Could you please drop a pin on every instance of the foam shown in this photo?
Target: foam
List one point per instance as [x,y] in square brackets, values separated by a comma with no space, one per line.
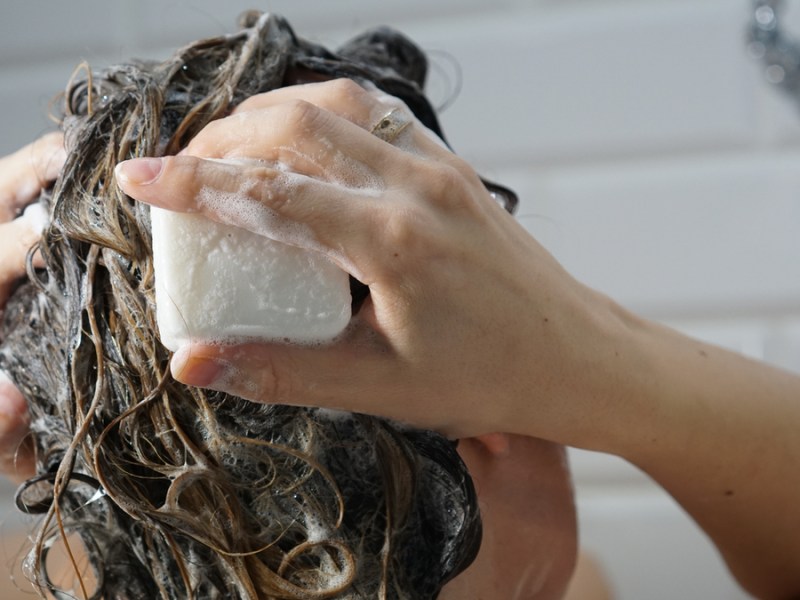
[316,531]
[219,283]
[36,215]
[334,414]
[245,209]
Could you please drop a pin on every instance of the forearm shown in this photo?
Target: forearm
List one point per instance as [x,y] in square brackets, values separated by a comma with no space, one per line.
[719,432]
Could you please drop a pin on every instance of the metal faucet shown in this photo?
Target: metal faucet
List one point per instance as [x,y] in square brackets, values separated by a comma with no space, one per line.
[778,51]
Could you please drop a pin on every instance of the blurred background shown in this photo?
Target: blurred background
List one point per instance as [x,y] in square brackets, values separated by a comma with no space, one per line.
[650,155]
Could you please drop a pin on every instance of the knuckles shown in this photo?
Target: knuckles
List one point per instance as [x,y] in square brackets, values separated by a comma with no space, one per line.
[335,92]
[300,116]
[207,142]
[296,115]
[344,89]
[262,128]
[449,186]
[401,228]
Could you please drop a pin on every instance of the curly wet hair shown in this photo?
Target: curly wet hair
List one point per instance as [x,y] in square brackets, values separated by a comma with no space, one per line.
[178,492]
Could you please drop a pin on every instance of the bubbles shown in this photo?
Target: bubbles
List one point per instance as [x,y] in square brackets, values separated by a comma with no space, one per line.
[36,215]
[316,529]
[243,210]
[334,415]
[775,74]
[765,17]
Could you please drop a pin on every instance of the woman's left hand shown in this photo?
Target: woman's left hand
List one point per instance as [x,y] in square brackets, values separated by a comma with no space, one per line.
[530,536]
[22,176]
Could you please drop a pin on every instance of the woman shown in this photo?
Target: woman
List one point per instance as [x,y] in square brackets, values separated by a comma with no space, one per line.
[187,493]
[473,328]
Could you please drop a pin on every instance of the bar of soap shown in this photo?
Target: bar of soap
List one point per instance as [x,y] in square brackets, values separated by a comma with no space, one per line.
[219,283]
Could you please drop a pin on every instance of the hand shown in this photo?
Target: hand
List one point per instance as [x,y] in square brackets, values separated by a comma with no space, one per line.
[470,324]
[471,327]
[22,176]
[529,542]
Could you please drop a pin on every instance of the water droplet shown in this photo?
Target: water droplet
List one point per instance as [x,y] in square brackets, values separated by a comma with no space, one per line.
[765,16]
[776,74]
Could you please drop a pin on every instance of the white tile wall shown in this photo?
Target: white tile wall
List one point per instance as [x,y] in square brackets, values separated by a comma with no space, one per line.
[650,548]
[601,81]
[697,233]
[651,158]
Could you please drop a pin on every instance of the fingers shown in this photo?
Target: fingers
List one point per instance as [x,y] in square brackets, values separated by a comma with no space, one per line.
[300,147]
[294,132]
[273,116]
[251,195]
[314,177]
[362,104]
[403,222]
[273,373]
[16,239]
[343,97]
[313,168]
[16,453]
[24,173]
[357,374]
[22,177]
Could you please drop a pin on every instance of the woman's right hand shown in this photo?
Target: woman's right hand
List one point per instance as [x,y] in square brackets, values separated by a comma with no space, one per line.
[471,326]
[22,176]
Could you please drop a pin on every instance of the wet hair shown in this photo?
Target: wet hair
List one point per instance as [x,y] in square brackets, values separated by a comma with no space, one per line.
[178,492]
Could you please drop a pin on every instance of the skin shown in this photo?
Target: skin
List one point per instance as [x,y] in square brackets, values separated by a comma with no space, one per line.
[406,251]
[22,176]
[589,581]
[523,484]
[529,541]
[467,308]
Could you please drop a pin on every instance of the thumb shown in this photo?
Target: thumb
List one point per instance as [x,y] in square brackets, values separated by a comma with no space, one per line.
[344,375]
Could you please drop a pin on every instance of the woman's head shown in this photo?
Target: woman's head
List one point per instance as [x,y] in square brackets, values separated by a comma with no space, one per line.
[180,492]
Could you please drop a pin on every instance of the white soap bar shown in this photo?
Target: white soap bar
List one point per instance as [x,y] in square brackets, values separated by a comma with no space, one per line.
[219,283]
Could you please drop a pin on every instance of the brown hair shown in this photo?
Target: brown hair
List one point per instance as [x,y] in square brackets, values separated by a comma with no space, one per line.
[177,492]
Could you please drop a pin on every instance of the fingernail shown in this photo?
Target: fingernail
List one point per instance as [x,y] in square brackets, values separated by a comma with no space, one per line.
[139,171]
[199,371]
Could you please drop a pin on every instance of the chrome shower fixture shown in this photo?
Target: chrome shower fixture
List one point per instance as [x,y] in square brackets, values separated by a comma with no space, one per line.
[769,43]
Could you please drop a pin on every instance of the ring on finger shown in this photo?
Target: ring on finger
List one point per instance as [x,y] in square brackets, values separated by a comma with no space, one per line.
[391,125]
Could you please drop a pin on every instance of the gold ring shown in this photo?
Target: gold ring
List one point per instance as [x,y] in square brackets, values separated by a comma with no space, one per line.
[391,125]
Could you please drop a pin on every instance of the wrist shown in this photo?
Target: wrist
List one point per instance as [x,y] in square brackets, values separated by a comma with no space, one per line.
[586,390]
[620,380]
[666,393]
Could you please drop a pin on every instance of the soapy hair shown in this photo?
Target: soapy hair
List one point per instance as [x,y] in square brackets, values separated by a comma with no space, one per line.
[178,492]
